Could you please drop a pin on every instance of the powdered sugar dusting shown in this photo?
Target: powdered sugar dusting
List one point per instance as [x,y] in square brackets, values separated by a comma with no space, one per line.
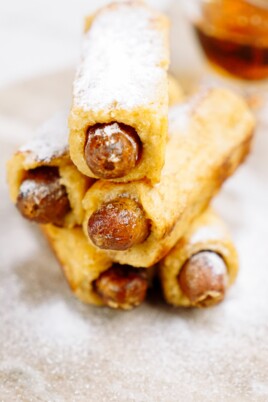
[179,115]
[39,191]
[205,233]
[211,260]
[31,187]
[54,348]
[123,57]
[51,140]
[108,130]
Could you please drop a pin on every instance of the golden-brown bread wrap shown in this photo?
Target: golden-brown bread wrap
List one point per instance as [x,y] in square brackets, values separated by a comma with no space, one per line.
[207,233]
[83,265]
[210,137]
[49,149]
[122,79]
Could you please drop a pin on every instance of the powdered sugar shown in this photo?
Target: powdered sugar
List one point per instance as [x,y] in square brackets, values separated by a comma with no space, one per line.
[108,130]
[51,140]
[179,115]
[209,260]
[205,233]
[124,60]
[38,190]
[54,348]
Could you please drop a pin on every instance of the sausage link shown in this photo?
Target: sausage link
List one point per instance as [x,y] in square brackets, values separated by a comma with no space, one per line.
[122,287]
[112,150]
[42,198]
[203,279]
[118,225]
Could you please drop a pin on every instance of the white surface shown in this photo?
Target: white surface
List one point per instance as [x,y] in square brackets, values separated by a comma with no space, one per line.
[43,38]
[40,36]
[53,348]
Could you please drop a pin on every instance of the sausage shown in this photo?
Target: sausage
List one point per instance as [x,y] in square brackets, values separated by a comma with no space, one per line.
[118,225]
[42,198]
[203,279]
[112,150]
[122,286]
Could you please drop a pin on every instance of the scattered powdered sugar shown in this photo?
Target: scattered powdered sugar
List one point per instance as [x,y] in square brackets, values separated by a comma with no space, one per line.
[54,348]
[209,260]
[108,130]
[37,192]
[123,56]
[206,233]
[51,140]
[179,115]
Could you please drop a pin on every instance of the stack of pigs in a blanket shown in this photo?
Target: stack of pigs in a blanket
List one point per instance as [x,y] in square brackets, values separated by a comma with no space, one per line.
[121,184]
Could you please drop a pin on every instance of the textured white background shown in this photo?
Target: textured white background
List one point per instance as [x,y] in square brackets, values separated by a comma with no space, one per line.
[52,348]
[43,36]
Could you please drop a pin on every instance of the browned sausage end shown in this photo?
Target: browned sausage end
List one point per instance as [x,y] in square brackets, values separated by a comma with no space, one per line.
[203,279]
[122,286]
[118,225]
[112,150]
[42,198]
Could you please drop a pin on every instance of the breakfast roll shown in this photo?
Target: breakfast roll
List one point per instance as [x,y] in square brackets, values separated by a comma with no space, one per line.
[118,120]
[202,265]
[44,184]
[138,223]
[91,274]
